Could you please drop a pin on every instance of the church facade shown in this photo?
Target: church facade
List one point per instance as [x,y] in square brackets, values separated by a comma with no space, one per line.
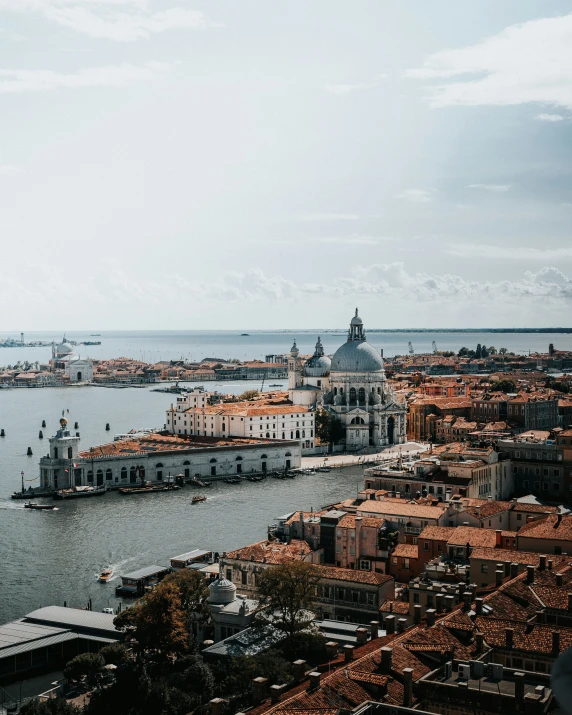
[352,387]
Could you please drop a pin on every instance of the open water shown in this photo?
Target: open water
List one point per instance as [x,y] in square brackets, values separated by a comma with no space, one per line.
[52,557]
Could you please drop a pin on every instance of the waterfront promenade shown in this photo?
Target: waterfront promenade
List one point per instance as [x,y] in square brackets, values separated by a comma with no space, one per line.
[348,460]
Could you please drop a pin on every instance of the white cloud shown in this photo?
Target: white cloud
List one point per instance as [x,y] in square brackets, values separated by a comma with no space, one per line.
[357,240]
[550,117]
[330,217]
[419,196]
[529,62]
[499,188]
[356,87]
[8,170]
[119,20]
[521,253]
[18,81]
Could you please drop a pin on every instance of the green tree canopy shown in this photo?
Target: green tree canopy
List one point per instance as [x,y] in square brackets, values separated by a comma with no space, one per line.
[249,395]
[329,428]
[114,654]
[88,664]
[288,590]
[504,385]
[54,706]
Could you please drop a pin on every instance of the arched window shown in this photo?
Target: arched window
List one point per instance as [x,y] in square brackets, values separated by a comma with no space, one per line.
[297,434]
[361,396]
[123,473]
[268,435]
[186,465]
[213,460]
[132,475]
[352,395]
[159,473]
[288,454]
[239,459]
[159,466]
[335,390]
[263,456]
[99,477]
[283,435]
[108,475]
[379,390]
[358,421]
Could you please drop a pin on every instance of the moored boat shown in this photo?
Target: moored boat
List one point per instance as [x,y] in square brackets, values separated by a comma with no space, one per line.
[148,489]
[78,492]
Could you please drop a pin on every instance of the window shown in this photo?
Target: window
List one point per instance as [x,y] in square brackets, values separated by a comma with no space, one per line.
[123,473]
[108,475]
[484,568]
[426,546]
[70,453]
[415,598]
[244,578]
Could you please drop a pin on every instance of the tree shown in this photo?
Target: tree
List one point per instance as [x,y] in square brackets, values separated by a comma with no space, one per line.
[503,385]
[249,395]
[329,428]
[54,706]
[503,351]
[162,621]
[114,654]
[478,351]
[463,352]
[492,350]
[484,351]
[88,664]
[289,590]
[235,677]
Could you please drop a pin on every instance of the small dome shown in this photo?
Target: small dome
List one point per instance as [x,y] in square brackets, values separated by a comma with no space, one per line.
[356,320]
[317,366]
[294,352]
[64,349]
[222,591]
[355,356]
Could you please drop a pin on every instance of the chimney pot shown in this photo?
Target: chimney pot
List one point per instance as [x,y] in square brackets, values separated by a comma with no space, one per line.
[332,649]
[390,625]
[417,613]
[401,625]
[550,564]
[559,580]
[430,613]
[315,676]
[530,574]
[513,570]
[467,597]
[374,625]
[519,688]
[386,659]
[439,602]
[498,577]
[299,670]
[276,693]
[449,602]
[259,689]
[478,606]
[569,602]
[361,636]
[348,652]
[217,706]
[542,562]
[479,641]
[407,687]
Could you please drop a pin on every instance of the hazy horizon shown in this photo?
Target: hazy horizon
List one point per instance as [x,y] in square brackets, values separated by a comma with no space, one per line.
[207,165]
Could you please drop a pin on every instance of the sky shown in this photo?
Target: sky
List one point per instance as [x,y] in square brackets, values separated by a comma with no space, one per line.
[178,164]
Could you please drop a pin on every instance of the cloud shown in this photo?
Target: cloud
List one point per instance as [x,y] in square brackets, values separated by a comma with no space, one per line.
[119,20]
[357,240]
[550,117]
[330,217]
[418,196]
[529,62]
[19,81]
[340,89]
[499,188]
[8,170]
[480,250]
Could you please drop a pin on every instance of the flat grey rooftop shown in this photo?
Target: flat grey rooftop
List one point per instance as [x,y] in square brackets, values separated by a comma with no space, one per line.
[19,631]
[144,572]
[71,618]
[194,554]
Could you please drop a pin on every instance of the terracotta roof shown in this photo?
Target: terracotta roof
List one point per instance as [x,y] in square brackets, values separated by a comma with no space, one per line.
[488,509]
[513,556]
[272,552]
[406,509]
[399,607]
[536,508]
[438,533]
[552,527]
[349,521]
[408,551]
[473,536]
[527,637]
[354,575]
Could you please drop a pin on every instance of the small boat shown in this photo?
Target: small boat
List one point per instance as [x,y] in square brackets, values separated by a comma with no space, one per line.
[105,575]
[233,480]
[324,469]
[197,499]
[244,335]
[39,507]
[77,492]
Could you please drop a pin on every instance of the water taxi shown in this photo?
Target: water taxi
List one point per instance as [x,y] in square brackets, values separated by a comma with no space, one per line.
[39,507]
[105,575]
[197,499]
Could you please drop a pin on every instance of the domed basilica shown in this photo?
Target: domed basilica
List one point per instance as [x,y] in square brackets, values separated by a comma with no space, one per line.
[352,387]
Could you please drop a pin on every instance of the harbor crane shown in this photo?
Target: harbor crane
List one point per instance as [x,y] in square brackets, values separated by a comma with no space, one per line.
[434,347]
[411,351]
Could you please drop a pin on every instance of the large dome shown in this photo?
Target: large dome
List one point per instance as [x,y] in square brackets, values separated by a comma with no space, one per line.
[222,591]
[64,349]
[355,356]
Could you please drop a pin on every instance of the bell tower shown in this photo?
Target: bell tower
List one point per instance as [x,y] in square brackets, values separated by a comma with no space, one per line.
[57,468]
[294,369]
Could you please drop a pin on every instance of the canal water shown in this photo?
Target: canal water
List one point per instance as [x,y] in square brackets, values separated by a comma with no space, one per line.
[51,557]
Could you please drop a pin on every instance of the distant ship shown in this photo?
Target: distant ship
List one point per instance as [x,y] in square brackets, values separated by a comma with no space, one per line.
[95,335]
[244,335]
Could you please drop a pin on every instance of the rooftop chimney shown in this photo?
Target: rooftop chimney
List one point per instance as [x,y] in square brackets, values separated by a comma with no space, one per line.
[417,613]
[390,625]
[439,602]
[530,574]
[509,637]
[315,676]
[498,539]
[550,564]
[467,597]
[374,625]
[555,642]
[569,602]
[217,706]
[361,636]
[498,577]
[519,688]
[513,570]
[276,693]
[559,580]
[259,690]
[407,687]
[299,670]
[386,662]
[542,562]
[430,613]
[331,649]
[479,642]
[478,606]
[449,602]
[348,653]
[401,625]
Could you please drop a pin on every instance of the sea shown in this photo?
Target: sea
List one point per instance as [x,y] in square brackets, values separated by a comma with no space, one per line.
[54,557]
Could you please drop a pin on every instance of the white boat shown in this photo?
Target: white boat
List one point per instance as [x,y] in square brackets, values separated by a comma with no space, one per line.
[105,575]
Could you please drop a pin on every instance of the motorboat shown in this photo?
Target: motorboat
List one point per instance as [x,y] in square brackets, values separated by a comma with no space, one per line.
[40,507]
[105,575]
[197,499]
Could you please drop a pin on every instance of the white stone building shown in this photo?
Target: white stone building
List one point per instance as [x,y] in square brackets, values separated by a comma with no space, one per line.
[352,387]
[77,369]
[192,415]
[157,457]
